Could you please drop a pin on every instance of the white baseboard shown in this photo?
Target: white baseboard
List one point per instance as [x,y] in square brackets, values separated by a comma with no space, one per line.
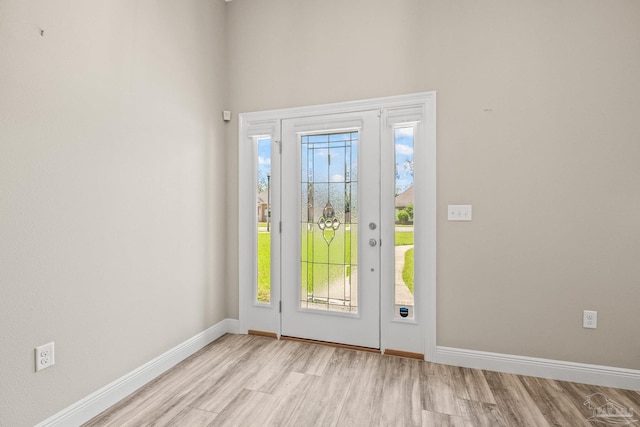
[545,368]
[112,393]
[107,396]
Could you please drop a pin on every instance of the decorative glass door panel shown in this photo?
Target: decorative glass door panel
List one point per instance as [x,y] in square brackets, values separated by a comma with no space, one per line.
[330,185]
[328,232]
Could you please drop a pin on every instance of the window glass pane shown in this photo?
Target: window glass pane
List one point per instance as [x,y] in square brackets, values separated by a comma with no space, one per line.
[328,238]
[404,201]
[264,220]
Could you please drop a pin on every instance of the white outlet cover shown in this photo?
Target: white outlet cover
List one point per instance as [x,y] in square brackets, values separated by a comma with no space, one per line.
[590,319]
[44,356]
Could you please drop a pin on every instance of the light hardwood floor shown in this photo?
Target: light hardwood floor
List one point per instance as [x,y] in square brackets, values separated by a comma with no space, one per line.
[245,380]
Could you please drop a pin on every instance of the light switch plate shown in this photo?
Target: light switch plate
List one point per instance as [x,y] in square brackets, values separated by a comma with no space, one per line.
[459,213]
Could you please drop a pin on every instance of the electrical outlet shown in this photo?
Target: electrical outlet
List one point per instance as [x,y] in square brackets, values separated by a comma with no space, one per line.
[590,319]
[44,356]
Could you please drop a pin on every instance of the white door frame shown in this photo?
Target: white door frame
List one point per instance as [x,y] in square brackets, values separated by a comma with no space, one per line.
[417,108]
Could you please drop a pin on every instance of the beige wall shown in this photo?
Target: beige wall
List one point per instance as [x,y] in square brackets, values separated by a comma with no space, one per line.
[111,157]
[113,168]
[538,107]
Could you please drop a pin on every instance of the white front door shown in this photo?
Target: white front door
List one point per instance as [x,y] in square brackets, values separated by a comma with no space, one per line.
[331,228]
[334,260]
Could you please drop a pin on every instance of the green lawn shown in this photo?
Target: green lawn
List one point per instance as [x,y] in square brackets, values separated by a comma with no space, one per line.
[323,263]
[404,238]
[264,266]
[407,269]
[328,261]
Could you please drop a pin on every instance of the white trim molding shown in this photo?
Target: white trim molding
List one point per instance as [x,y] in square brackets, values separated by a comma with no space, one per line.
[95,403]
[418,335]
[605,376]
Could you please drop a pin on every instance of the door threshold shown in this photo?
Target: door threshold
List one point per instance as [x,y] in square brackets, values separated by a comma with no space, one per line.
[406,354]
[262,334]
[331,344]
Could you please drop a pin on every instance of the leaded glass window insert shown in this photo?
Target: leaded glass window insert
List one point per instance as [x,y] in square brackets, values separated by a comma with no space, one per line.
[329,221]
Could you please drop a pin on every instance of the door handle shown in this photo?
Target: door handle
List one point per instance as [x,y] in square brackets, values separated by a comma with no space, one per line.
[373,242]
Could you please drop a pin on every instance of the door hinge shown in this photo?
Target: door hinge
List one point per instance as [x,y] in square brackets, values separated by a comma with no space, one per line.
[279,147]
[280,307]
[280,227]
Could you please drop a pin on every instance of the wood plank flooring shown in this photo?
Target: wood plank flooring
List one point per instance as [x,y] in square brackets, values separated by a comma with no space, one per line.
[245,380]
